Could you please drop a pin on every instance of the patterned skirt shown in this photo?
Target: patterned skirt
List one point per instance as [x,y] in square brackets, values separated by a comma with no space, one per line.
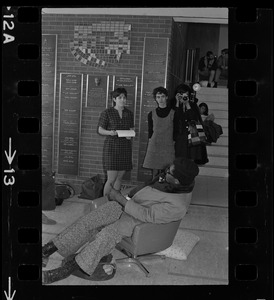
[117,154]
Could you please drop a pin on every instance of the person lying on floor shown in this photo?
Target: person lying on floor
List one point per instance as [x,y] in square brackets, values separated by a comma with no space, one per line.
[161,201]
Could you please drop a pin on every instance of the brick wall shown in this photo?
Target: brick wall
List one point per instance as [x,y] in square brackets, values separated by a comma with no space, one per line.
[91,143]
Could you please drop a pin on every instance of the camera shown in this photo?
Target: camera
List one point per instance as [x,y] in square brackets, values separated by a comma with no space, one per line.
[181,98]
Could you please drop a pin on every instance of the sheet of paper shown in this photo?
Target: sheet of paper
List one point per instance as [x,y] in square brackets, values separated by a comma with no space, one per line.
[126,133]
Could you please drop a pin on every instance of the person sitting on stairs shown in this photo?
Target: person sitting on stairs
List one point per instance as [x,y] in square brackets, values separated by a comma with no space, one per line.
[222,69]
[207,68]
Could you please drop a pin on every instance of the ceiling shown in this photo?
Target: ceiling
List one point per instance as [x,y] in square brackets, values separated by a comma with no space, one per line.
[217,15]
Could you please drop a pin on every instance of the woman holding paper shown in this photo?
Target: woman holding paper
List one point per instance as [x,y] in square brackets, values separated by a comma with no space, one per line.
[117,124]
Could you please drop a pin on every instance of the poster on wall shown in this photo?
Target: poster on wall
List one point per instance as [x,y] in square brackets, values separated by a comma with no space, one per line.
[48,92]
[70,116]
[154,74]
[97,91]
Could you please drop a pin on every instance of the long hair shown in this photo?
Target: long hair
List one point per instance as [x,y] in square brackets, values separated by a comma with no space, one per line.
[206,108]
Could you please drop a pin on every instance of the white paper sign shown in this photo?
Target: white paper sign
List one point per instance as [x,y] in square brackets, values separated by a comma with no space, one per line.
[126,133]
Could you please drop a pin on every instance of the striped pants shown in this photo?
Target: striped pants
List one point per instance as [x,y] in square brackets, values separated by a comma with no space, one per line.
[81,233]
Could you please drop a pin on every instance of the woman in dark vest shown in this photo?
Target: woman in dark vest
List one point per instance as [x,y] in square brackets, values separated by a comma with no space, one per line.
[160,149]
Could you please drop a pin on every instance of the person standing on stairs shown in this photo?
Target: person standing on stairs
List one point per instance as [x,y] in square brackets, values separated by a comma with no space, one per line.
[160,149]
[186,111]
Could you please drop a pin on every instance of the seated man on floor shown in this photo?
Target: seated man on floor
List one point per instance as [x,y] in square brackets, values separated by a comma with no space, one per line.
[160,201]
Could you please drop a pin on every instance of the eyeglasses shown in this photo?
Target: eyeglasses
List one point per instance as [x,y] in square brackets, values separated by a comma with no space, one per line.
[168,172]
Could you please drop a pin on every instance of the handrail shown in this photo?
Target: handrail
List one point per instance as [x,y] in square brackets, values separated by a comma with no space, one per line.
[191,66]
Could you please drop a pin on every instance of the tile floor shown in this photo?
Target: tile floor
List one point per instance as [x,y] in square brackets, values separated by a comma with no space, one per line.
[207,264]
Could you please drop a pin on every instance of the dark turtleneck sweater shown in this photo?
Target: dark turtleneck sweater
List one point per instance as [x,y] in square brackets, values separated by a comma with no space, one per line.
[161,113]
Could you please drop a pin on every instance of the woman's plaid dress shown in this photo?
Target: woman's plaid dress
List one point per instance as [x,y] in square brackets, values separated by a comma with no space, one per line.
[117,151]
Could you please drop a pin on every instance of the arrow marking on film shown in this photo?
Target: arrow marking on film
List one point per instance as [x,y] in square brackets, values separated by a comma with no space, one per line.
[10,157]
[9,297]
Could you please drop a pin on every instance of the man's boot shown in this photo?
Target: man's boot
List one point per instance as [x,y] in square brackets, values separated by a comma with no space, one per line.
[60,273]
[47,250]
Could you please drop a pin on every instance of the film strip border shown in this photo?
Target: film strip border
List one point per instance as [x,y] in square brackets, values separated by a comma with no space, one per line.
[250,158]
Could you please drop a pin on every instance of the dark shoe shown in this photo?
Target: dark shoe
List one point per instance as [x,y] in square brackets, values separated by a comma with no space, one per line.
[215,85]
[45,261]
[47,250]
[63,272]
[99,274]
[208,85]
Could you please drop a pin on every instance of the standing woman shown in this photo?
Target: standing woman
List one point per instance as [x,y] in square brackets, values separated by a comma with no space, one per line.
[117,151]
[160,149]
[185,111]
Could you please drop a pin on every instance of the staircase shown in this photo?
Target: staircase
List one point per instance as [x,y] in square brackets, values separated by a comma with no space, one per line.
[217,101]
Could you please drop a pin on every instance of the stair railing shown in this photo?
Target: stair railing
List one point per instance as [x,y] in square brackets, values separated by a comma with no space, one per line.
[191,65]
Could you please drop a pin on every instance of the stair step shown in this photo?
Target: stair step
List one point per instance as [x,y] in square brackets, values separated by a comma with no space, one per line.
[222,141]
[208,99]
[222,83]
[213,171]
[225,131]
[217,150]
[222,122]
[215,106]
[218,161]
[217,101]
[212,91]
[220,114]
[212,97]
